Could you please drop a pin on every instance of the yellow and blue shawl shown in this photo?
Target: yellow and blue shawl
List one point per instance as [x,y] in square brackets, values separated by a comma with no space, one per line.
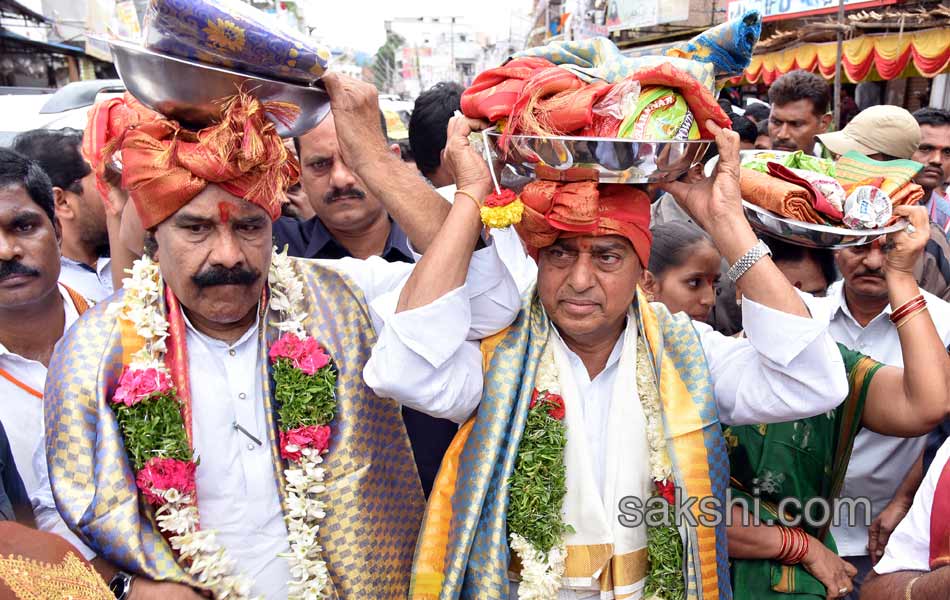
[463,551]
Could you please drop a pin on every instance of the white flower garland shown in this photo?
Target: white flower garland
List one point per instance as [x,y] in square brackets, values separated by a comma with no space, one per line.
[310,576]
[661,467]
[208,562]
[541,574]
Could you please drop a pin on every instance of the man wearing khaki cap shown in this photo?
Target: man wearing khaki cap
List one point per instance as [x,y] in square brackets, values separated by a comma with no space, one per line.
[882,132]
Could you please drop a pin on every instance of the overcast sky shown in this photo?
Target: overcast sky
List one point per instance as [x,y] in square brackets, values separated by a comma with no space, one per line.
[358,24]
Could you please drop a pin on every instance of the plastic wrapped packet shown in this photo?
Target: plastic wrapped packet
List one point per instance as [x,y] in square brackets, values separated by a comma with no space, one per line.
[620,102]
[867,207]
[661,114]
[233,35]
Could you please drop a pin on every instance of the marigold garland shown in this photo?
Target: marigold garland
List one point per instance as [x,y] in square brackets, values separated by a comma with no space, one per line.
[502,209]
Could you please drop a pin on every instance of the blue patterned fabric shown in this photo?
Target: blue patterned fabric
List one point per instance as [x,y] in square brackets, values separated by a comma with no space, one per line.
[727,47]
[477,560]
[721,52]
[232,34]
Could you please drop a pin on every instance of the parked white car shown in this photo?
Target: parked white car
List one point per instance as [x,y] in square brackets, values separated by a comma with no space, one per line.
[66,107]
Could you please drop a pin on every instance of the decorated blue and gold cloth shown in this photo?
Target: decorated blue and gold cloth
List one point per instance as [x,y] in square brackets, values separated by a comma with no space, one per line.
[716,54]
[463,546]
[373,497]
[234,35]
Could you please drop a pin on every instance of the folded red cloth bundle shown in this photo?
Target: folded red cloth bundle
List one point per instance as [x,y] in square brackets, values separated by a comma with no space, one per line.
[819,201]
[493,94]
[540,98]
[781,197]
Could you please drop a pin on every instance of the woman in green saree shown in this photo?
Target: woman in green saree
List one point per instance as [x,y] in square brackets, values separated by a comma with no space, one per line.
[808,458]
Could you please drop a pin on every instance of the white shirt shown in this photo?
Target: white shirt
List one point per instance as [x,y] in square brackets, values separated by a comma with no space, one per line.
[237,489]
[908,548]
[94,284]
[21,413]
[510,248]
[787,368]
[879,463]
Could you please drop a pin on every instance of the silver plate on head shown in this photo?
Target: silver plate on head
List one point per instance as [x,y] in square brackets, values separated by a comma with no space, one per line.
[813,236]
[191,92]
[616,160]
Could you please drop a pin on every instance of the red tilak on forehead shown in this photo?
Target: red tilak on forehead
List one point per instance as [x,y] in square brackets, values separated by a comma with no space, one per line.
[224,210]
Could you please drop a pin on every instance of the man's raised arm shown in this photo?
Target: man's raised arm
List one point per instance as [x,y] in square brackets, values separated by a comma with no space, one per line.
[423,358]
[408,198]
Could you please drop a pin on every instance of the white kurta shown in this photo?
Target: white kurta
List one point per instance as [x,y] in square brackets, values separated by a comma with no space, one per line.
[878,463]
[787,368]
[21,413]
[94,284]
[908,548]
[237,489]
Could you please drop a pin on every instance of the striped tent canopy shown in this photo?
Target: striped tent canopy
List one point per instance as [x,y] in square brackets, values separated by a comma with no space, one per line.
[865,58]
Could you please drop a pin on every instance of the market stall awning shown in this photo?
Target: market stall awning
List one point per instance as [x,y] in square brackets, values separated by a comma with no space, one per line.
[864,58]
[16,43]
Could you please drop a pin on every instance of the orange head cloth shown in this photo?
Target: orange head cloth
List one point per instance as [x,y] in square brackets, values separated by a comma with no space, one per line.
[107,125]
[165,166]
[553,210]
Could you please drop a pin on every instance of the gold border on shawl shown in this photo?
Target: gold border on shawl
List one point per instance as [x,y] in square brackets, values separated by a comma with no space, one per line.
[583,562]
[625,569]
[786,583]
[429,564]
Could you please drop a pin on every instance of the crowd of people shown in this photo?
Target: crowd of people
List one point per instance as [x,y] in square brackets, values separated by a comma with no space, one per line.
[364,412]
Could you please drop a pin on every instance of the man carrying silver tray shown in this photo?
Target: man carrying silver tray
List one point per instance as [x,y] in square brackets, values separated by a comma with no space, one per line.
[208,428]
[544,491]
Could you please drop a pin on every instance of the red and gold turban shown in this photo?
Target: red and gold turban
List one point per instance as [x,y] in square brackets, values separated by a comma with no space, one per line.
[553,210]
[165,166]
[108,123]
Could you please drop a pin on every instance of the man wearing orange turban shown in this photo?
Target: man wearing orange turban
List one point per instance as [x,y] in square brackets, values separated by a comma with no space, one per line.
[595,401]
[209,427]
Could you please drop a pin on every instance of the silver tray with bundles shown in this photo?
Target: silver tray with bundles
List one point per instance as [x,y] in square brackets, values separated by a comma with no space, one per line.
[813,236]
[192,92]
[615,160]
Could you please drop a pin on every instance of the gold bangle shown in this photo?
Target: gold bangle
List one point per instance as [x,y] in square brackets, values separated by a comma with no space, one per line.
[908,318]
[470,195]
[909,590]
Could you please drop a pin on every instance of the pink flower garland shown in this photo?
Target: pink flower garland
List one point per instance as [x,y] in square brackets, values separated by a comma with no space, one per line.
[162,474]
[136,385]
[306,354]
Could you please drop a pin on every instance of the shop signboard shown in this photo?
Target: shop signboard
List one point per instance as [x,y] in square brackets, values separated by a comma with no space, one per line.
[631,14]
[773,10]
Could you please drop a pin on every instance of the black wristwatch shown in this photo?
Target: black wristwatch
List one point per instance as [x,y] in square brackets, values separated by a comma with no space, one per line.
[121,585]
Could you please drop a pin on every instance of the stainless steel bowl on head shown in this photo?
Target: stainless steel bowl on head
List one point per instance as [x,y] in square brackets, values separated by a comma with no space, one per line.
[192,92]
[616,160]
[813,236]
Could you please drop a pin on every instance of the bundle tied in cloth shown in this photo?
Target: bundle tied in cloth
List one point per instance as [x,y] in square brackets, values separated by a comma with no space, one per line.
[553,210]
[106,127]
[779,196]
[166,166]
